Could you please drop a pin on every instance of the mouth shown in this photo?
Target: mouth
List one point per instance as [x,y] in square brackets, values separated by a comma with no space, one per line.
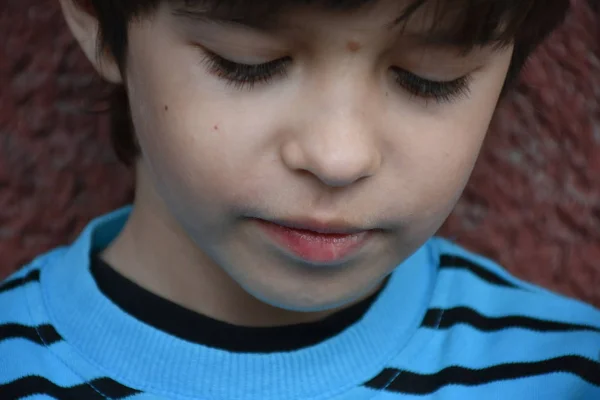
[315,242]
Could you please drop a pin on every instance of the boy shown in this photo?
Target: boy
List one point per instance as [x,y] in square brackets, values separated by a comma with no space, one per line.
[293,161]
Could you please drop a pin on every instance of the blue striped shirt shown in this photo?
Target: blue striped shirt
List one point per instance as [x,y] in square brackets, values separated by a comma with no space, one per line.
[448,325]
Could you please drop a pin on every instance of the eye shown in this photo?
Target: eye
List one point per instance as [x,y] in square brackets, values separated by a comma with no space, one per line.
[244,76]
[440,91]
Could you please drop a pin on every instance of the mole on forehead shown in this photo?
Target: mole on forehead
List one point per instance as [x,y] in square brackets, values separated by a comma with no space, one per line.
[353,46]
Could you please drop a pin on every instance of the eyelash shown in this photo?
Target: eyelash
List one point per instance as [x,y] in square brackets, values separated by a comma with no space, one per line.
[246,76]
[440,91]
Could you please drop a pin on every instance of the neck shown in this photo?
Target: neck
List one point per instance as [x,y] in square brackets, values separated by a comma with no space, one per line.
[153,251]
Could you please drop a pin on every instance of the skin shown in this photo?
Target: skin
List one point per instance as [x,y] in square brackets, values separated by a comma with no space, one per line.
[336,139]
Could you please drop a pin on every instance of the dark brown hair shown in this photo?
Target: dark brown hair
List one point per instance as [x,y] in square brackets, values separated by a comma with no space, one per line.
[474,22]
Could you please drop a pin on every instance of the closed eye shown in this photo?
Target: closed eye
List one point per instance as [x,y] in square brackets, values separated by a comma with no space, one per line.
[440,91]
[244,76]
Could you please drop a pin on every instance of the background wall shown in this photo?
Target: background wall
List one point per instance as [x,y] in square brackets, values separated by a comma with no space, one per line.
[533,202]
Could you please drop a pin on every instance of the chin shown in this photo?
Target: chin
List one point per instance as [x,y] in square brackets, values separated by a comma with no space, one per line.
[308,302]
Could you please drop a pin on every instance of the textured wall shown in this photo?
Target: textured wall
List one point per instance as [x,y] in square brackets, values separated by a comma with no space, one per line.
[533,203]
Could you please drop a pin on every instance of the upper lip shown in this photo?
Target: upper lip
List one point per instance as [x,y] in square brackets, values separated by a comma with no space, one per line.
[325,227]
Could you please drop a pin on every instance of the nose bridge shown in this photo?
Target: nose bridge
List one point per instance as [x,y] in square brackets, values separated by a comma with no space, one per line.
[336,142]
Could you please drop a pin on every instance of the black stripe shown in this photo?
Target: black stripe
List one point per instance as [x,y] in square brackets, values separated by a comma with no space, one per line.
[99,389]
[33,276]
[113,389]
[465,315]
[452,261]
[412,383]
[196,328]
[42,334]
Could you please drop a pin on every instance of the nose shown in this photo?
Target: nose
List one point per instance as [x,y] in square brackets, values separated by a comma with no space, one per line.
[336,146]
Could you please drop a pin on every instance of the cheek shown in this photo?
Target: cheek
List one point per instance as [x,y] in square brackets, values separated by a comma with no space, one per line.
[197,150]
[436,158]
[183,160]
[460,131]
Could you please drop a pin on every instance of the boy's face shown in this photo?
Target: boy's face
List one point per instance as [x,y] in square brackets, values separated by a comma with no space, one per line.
[342,130]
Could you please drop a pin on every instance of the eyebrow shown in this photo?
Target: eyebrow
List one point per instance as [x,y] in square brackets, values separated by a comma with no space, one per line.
[257,23]
[430,38]
[436,39]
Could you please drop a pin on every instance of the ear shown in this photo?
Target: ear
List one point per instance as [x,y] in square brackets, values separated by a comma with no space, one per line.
[86,30]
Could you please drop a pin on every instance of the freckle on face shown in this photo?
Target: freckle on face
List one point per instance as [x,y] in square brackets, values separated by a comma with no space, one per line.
[166,108]
[353,46]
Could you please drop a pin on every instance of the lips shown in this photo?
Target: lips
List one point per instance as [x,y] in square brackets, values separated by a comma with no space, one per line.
[316,243]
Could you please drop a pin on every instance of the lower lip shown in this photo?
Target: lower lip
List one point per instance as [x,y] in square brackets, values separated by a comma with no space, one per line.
[316,247]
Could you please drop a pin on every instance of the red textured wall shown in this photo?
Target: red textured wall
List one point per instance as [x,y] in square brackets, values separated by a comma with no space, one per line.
[533,203]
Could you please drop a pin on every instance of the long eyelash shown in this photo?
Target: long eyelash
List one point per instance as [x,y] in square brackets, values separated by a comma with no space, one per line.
[441,92]
[245,76]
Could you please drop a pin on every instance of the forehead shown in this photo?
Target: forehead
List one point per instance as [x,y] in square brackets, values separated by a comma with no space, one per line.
[463,23]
